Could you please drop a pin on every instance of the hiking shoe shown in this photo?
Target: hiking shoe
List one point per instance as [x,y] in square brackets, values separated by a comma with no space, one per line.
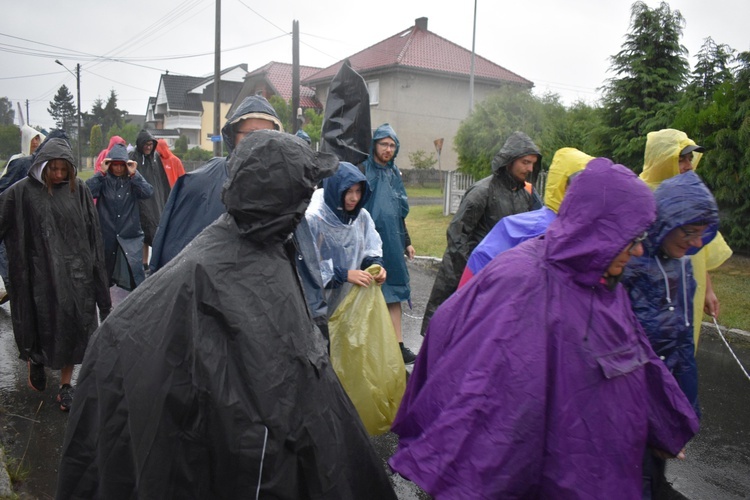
[4,297]
[409,357]
[37,377]
[65,397]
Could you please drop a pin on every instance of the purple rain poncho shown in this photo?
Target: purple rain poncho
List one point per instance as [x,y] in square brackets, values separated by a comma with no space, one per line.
[536,380]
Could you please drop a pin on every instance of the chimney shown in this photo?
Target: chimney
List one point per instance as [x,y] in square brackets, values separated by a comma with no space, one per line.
[421,23]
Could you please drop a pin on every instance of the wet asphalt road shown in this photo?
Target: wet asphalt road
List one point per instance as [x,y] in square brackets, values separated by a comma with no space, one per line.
[717,464]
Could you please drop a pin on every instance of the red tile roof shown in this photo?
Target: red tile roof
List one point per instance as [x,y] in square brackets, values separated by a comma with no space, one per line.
[422,50]
[279,76]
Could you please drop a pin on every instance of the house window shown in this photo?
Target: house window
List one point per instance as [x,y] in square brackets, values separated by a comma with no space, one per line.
[373,88]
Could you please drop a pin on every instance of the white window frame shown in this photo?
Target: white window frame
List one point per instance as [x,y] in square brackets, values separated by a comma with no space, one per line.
[373,88]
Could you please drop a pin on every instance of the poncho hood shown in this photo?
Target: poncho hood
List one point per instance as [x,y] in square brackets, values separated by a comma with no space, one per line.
[116,139]
[383,131]
[602,219]
[337,185]
[50,150]
[517,145]
[566,162]
[143,137]
[254,106]
[272,176]
[28,133]
[662,156]
[163,149]
[681,200]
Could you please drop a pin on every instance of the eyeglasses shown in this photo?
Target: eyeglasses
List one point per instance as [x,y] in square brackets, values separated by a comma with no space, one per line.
[387,145]
[691,234]
[637,240]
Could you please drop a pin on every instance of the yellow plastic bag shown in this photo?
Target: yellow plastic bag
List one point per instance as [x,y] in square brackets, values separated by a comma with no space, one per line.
[366,357]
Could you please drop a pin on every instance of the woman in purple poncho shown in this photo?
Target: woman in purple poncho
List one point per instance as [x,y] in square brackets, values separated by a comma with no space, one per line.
[536,380]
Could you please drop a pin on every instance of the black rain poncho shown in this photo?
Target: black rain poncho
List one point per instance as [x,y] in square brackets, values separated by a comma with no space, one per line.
[56,263]
[483,205]
[150,167]
[208,381]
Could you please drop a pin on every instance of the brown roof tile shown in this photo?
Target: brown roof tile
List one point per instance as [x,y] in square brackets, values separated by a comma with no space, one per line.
[422,50]
[279,75]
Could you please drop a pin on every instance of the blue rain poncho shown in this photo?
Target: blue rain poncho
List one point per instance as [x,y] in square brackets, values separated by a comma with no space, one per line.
[389,207]
[662,288]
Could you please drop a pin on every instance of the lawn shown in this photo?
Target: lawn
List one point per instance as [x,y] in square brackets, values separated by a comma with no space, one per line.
[427,227]
[85,174]
[732,285]
[731,281]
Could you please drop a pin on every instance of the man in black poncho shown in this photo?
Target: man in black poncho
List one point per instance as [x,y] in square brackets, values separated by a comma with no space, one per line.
[208,382]
[503,193]
[150,167]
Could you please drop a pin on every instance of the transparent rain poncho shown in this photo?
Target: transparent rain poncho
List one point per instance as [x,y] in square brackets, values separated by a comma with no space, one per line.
[340,245]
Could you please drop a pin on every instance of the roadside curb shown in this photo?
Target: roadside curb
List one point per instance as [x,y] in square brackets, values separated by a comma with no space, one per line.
[730,333]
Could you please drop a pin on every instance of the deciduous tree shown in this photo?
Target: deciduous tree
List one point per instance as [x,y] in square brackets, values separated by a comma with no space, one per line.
[7,115]
[313,125]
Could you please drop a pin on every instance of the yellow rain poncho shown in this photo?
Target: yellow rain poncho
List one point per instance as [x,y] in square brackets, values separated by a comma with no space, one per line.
[660,163]
[566,162]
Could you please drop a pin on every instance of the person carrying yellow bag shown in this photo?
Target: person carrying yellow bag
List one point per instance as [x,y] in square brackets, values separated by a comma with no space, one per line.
[349,251]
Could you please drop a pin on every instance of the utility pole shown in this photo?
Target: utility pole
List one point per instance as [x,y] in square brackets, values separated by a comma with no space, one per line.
[471,73]
[295,76]
[77,74]
[27,111]
[217,80]
[78,84]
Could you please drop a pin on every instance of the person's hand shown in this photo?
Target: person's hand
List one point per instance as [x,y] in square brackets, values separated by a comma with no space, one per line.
[132,166]
[380,277]
[410,252]
[711,302]
[357,277]
[105,165]
[711,305]
[665,455]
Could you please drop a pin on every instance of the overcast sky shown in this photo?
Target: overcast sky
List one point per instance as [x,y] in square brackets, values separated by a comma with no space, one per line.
[562,46]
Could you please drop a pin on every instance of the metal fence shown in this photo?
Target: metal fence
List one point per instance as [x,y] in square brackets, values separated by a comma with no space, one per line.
[457,183]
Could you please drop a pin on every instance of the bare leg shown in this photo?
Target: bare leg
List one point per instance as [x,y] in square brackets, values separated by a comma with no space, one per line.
[66,374]
[394,308]
[145,255]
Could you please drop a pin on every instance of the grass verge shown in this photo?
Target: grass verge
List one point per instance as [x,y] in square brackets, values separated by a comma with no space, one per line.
[427,227]
[85,174]
[732,285]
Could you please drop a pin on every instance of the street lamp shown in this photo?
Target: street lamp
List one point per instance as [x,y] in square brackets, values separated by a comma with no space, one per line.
[77,75]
